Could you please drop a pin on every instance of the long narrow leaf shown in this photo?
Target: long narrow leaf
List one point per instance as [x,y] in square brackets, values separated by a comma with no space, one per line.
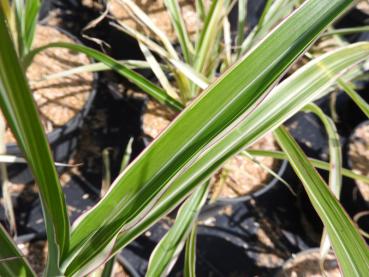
[316,163]
[346,31]
[180,28]
[133,194]
[190,254]
[267,170]
[241,24]
[285,100]
[277,11]
[335,171]
[200,9]
[209,34]
[7,10]
[156,68]
[12,262]
[95,67]
[274,11]
[5,184]
[134,77]
[21,113]
[142,38]
[109,268]
[169,52]
[30,21]
[191,74]
[359,101]
[335,155]
[18,36]
[146,21]
[227,41]
[167,250]
[350,248]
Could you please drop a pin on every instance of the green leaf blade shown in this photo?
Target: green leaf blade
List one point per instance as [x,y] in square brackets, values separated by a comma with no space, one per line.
[190,254]
[19,109]
[133,193]
[298,90]
[30,21]
[180,28]
[350,248]
[119,67]
[167,250]
[12,262]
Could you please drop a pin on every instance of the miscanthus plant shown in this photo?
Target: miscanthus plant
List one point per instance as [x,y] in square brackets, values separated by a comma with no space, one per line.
[211,51]
[177,165]
[205,54]
[22,17]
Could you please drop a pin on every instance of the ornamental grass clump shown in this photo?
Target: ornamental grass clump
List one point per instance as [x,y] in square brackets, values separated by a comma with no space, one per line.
[238,108]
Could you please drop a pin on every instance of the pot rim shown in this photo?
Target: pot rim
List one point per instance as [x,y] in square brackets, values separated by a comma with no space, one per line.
[350,141]
[264,188]
[299,254]
[68,127]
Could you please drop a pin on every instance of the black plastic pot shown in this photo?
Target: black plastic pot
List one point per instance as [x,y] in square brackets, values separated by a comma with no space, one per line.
[82,191]
[360,202]
[310,134]
[75,17]
[228,240]
[228,244]
[110,125]
[330,263]
[308,131]
[263,190]
[28,210]
[129,269]
[352,138]
[46,7]
[62,140]
[218,256]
